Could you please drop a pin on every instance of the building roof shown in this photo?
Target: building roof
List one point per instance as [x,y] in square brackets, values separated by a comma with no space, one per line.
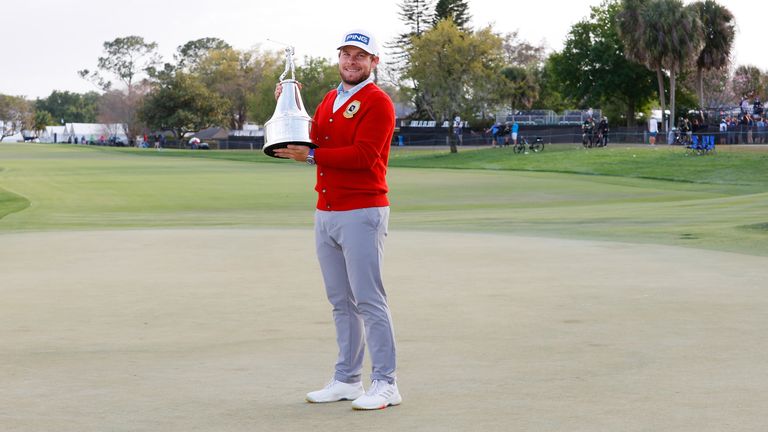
[214,133]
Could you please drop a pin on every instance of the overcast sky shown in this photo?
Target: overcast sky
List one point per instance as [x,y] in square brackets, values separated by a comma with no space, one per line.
[45,42]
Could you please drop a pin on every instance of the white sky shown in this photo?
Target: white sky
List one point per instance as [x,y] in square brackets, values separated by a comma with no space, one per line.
[45,42]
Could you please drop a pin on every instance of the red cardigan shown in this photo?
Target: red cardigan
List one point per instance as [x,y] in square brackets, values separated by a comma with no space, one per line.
[353,150]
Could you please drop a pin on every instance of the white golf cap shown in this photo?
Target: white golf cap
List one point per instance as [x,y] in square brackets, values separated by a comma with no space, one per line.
[361,39]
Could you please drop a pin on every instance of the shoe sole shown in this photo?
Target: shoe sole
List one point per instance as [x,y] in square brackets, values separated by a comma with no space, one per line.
[377,408]
[331,401]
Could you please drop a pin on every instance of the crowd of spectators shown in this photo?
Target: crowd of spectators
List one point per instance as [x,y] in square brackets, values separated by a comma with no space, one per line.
[748,127]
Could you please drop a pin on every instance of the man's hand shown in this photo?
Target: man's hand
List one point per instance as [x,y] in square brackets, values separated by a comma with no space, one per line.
[296,152]
[279,89]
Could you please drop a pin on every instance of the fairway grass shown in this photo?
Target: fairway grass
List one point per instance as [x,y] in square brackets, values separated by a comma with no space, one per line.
[632,194]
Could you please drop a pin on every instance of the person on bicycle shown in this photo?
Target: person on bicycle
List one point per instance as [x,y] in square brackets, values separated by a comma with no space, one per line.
[684,130]
[588,128]
[602,130]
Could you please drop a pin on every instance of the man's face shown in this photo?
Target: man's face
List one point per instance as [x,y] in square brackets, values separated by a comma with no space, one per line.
[355,65]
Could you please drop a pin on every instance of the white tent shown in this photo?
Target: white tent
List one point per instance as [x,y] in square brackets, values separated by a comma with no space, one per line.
[12,138]
[94,132]
[53,134]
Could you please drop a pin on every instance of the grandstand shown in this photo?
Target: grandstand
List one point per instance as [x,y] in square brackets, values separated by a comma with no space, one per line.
[546,117]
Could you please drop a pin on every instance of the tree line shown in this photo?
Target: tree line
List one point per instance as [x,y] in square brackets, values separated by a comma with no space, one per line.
[626,57]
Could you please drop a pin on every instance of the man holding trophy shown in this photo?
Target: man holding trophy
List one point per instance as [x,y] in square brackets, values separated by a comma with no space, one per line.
[352,130]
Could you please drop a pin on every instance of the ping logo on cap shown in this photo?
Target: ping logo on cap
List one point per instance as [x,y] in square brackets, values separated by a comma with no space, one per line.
[357,37]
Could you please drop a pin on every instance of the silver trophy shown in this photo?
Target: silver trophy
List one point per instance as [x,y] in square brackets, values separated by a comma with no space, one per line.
[290,123]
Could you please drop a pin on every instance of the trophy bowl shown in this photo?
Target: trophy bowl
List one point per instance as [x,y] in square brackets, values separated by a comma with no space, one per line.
[290,124]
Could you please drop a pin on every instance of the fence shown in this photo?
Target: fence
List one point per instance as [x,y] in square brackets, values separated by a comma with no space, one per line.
[407,136]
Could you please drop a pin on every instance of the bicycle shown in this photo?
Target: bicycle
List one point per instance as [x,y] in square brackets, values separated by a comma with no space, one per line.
[588,139]
[522,144]
[682,138]
[601,139]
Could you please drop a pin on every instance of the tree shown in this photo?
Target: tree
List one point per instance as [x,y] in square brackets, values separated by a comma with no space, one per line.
[189,55]
[550,92]
[237,76]
[717,87]
[520,52]
[672,36]
[70,107]
[663,35]
[40,120]
[15,115]
[418,17]
[519,87]
[118,107]
[719,31]
[748,81]
[125,58]
[183,104]
[592,69]
[455,10]
[318,76]
[452,67]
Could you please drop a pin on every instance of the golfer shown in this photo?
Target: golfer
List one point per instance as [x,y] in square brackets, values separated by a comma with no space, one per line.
[353,128]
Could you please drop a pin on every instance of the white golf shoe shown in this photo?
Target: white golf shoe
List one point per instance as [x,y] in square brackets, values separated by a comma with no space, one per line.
[381,395]
[336,391]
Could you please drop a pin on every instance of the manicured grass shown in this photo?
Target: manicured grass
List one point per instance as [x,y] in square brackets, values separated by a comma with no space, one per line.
[630,194]
[11,203]
[728,166]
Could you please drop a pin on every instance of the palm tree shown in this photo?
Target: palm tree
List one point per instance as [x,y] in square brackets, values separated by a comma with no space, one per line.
[632,28]
[520,87]
[672,37]
[663,35]
[718,28]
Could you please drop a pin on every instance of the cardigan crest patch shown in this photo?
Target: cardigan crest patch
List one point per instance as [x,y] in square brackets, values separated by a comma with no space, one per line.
[352,109]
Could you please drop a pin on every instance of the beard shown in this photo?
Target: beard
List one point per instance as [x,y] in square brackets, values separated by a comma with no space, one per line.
[355,81]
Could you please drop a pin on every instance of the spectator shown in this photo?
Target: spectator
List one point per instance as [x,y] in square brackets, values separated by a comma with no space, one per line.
[744,105]
[760,130]
[602,129]
[515,130]
[653,130]
[744,124]
[588,129]
[723,131]
[733,130]
[458,130]
[496,133]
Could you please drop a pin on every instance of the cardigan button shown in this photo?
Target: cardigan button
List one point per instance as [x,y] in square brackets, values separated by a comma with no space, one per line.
[323,190]
[327,138]
[322,174]
[330,120]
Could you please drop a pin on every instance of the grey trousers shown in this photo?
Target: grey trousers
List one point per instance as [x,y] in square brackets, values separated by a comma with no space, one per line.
[350,246]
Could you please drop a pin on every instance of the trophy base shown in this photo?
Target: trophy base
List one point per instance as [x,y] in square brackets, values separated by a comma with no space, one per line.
[270,150]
